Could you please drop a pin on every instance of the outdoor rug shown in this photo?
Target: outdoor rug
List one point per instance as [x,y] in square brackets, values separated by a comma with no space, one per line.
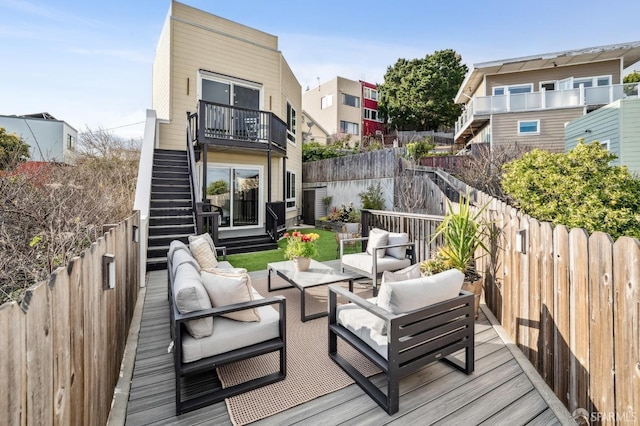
[310,371]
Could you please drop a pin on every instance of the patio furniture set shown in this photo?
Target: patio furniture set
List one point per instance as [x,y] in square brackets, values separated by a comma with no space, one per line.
[218,318]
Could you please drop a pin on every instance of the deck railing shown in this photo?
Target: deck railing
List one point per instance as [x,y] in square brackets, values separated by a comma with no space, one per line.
[230,123]
[61,348]
[544,99]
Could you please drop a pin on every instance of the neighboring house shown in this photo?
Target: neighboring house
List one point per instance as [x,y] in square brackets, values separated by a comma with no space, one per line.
[48,139]
[616,126]
[312,130]
[344,108]
[246,103]
[528,100]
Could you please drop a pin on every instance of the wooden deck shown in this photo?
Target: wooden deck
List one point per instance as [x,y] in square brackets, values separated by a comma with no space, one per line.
[504,389]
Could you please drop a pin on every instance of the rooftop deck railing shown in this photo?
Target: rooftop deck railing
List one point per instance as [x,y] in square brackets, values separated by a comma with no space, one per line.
[545,99]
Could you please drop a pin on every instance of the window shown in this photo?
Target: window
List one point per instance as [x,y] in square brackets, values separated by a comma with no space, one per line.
[350,100]
[71,143]
[603,80]
[371,114]
[291,123]
[605,144]
[529,127]
[326,101]
[291,190]
[370,93]
[348,127]
[519,88]
[548,85]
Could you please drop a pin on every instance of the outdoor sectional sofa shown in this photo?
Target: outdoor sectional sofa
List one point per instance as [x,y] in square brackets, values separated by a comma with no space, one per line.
[218,318]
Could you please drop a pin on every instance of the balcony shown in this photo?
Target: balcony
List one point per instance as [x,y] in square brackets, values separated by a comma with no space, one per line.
[227,126]
[479,109]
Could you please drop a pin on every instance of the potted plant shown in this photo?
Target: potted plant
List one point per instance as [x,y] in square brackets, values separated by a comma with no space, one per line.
[301,248]
[463,233]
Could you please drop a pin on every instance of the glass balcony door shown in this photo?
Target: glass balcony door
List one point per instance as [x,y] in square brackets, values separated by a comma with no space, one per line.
[235,193]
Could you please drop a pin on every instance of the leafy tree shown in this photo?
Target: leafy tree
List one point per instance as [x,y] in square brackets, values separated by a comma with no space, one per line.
[218,187]
[373,197]
[578,189]
[13,150]
[418,94]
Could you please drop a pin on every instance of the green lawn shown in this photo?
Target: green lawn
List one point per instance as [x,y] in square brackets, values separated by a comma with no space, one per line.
[257,261]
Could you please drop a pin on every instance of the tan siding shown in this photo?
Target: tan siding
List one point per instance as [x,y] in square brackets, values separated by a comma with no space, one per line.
[551,137]
[349,113]
[233,29]
[328,117]
[160,100]
[593,69]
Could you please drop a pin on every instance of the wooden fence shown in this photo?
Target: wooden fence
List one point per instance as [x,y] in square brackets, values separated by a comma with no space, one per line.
[571,302]
[60,350]
[368,165]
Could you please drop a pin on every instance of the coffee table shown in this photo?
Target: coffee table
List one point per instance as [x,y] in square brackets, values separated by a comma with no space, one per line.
[318,274]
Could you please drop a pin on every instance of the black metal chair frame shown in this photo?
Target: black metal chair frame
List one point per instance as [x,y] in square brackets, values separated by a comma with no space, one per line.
[212,363]
[415,339]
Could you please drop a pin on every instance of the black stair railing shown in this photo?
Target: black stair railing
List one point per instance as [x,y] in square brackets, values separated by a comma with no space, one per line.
[204,219]
[275,219]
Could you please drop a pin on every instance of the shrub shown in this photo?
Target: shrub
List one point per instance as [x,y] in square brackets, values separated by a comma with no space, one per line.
[373,198]
[420,149]
[579,189]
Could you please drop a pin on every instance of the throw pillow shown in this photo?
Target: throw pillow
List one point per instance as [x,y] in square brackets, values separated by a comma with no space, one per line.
[205,237]
[405,296]
[398,238]
[377,238]
[227,289]
[202,252]
[190,296]
[408,273]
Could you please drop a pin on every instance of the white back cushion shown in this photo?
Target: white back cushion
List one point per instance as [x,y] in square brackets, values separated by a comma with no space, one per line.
[377,238]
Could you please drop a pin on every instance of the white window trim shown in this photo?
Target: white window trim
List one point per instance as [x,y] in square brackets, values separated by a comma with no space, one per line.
[606,144]
[377,119]
[294,198]
[506,88]
[354,125]
[529,133]
[342,99]
[328,103]
[207,75]
[594,80]
[370,90]
[261,203]
[295,125]
[554,82]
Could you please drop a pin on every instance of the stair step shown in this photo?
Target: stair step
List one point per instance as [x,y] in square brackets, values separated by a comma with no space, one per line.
[170,211]
[171,188]
[159,251]
[156,263]
[251,248]
[170,196]
[171,229]
[170,203]
[171,220]
[168,169]
[165,180]
[165,240]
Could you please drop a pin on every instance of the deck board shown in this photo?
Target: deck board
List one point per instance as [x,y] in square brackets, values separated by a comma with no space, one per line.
[497,392]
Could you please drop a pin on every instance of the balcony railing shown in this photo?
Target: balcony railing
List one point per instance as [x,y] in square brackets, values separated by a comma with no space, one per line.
[220,124]
[545,99]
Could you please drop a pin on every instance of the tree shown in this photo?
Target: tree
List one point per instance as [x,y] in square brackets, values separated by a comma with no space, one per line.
[418,94]
[372,198]
[13,150]
[579,189]
[631,89]
[218,187]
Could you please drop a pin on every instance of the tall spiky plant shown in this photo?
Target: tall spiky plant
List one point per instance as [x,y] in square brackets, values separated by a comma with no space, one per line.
[463,232]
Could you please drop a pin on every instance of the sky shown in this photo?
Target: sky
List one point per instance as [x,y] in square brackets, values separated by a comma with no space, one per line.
[89,62]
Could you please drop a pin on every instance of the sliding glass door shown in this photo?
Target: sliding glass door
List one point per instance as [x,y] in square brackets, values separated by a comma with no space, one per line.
[234,192]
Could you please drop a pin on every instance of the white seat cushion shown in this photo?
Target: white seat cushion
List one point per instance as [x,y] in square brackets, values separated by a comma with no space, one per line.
[360,322]
[364,262]
[229,335]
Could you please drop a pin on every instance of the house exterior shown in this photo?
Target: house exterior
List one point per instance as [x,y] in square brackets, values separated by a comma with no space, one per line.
[528,100]
[616,126]
[245,104]
[49,139]
[343,108]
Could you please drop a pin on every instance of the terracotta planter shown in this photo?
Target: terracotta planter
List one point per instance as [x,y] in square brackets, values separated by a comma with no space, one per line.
[475,288]
[301,263]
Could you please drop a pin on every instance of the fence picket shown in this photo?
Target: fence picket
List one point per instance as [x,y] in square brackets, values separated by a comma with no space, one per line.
[547,291]
[579,319]
[626,288]
[13,392]
[561,309]
[601,354]
[533,319]
[59,286]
